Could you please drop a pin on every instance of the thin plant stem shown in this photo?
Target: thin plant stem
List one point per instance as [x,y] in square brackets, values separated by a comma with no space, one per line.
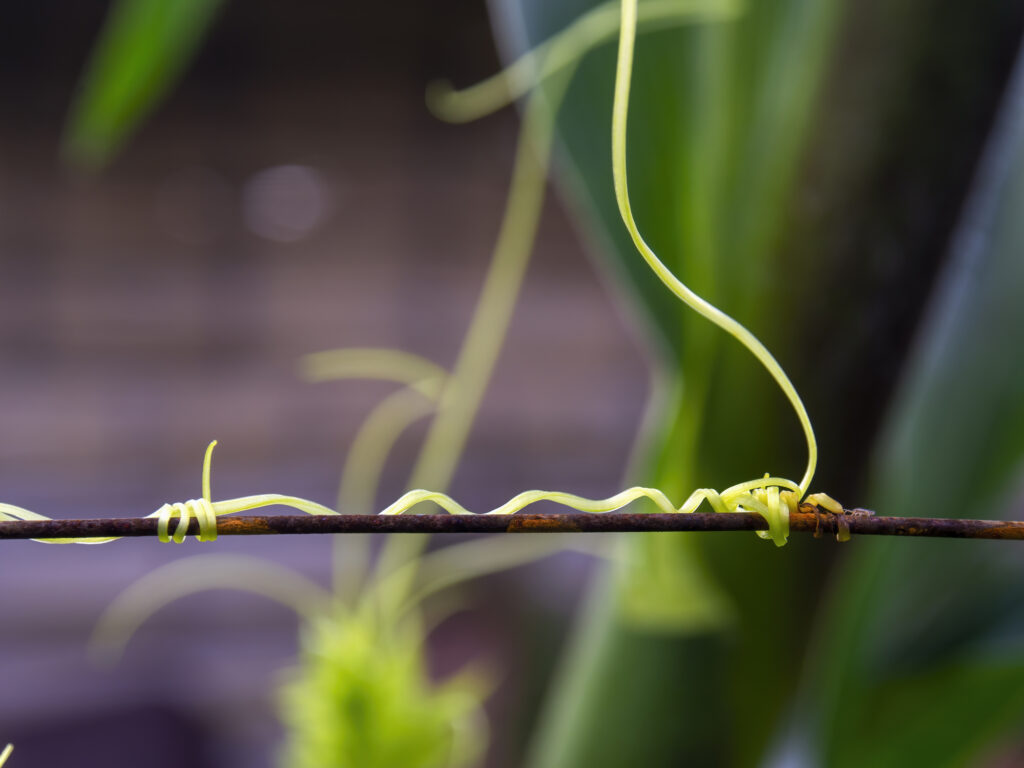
[363,467]
[564,51]
[177,579]
[465,386]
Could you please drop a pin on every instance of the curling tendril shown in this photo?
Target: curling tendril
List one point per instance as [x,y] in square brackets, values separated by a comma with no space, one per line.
[774,498]
[205,510]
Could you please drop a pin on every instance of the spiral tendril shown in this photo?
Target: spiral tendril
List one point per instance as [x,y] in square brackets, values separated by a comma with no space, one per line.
[774,498]
[204,510]
[201,509]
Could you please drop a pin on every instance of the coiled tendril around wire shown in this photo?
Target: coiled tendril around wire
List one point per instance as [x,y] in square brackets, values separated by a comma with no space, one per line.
[201,509]
[773,498]
[205,510]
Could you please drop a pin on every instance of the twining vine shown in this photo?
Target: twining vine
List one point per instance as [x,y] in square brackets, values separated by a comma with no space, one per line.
[774,498]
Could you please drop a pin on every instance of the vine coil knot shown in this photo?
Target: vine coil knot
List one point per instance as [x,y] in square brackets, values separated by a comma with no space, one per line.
[201,509]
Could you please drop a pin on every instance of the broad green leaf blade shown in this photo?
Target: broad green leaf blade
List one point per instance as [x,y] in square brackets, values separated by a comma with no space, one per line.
[141,52]
[907,620]
[922,719]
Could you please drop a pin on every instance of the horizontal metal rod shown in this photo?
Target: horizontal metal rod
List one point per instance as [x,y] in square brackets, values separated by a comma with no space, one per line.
[807,520]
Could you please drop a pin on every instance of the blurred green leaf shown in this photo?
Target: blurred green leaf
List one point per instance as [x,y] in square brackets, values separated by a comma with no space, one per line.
[930,637]
[362,697]
[142,50]
[943,717]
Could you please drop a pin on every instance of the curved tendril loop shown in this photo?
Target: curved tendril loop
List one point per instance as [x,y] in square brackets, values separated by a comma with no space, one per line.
[180,578]
[562,50]
[762,496]
[382,363]
[201,509]
[205,510]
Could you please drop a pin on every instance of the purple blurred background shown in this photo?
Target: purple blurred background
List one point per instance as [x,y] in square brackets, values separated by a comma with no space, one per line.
[292,195]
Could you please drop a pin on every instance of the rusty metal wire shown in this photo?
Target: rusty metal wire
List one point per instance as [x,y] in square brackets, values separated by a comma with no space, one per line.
[808,520]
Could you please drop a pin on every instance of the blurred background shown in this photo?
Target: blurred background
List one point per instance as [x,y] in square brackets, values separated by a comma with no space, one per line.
[293,194]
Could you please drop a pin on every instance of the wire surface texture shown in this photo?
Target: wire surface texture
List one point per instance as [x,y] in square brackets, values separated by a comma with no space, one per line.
[808,520]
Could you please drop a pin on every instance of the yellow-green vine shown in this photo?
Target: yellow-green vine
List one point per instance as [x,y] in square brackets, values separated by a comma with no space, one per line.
[772,497]
[375,647]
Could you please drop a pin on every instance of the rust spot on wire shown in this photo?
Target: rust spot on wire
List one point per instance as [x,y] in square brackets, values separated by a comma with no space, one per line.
[539,524]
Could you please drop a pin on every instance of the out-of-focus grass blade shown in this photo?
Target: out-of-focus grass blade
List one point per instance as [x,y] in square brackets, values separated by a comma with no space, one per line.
[142,49]
[945,717]
[924,646]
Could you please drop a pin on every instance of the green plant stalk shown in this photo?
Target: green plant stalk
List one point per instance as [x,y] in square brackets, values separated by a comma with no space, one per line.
[464,388]
[373,442]
[564,51]
[360,478]
[460,400]
[553,64]
[187,576]
[380,364]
